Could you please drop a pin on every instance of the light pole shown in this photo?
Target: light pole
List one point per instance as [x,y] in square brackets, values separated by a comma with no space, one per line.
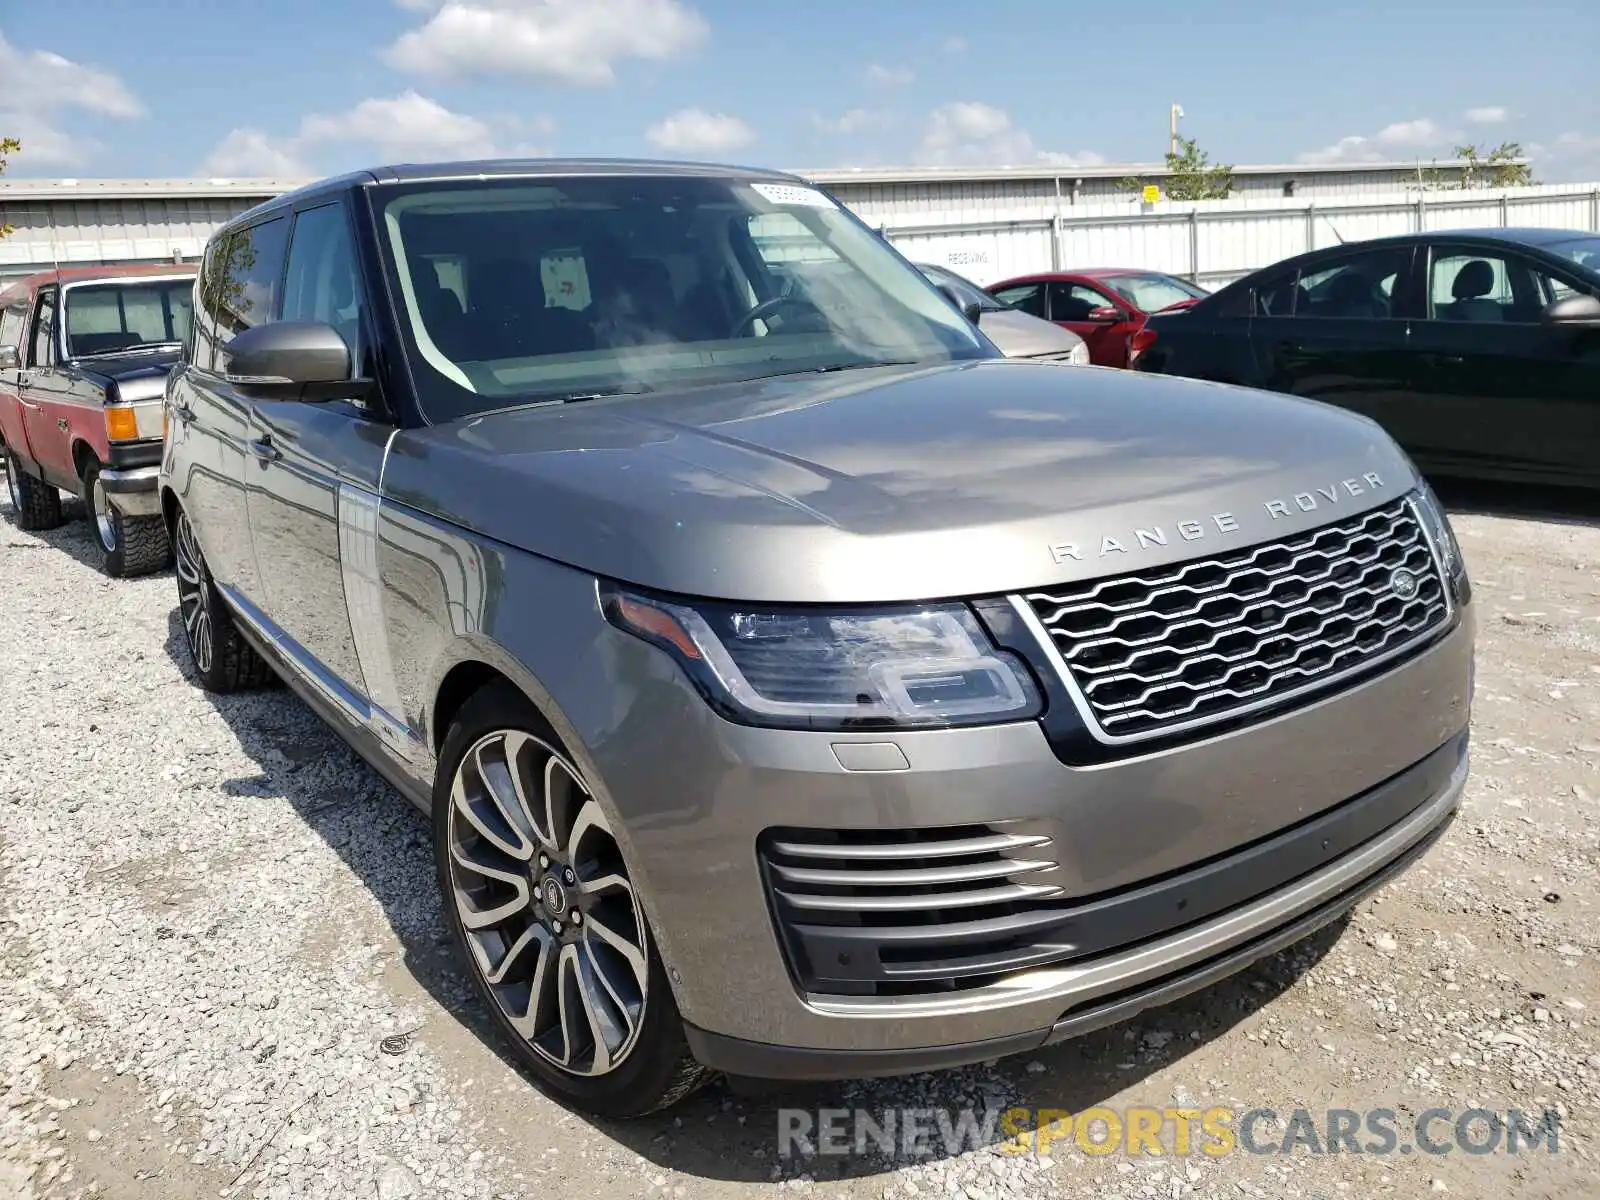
[1177,111]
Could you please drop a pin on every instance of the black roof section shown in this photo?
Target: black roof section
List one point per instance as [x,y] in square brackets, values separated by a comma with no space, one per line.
[526,168]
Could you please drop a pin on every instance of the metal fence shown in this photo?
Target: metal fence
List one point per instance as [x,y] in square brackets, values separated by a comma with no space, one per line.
[1216,241]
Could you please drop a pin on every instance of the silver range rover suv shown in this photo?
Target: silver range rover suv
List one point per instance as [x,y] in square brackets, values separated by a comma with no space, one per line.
[798,687]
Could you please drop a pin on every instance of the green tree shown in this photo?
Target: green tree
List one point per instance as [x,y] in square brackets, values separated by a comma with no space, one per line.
[8,147]
[1501,167]
[1190,175]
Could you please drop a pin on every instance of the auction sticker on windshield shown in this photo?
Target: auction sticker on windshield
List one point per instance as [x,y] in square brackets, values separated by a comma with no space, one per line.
[784,193]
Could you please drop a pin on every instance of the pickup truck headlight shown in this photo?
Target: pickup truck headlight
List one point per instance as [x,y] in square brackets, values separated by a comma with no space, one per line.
[901,666]
[1436,523]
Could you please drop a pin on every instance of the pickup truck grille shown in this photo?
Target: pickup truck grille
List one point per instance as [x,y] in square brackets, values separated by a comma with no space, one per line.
[1161,651]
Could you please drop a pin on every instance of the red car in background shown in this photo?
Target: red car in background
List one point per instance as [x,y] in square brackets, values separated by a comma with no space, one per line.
[1105,306]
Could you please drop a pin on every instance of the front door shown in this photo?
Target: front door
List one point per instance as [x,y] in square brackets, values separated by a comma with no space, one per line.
[1103,323]
[1501,392]
[14,336]
[1338,333]
[312,474]
[43,389]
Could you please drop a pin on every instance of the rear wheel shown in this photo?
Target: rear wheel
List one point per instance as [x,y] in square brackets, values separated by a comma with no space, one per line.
[36,504]
[222,658]
[543,911]
[128,545]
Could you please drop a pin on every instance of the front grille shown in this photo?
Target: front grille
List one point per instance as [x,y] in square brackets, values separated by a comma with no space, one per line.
[895,912]
[1156,652]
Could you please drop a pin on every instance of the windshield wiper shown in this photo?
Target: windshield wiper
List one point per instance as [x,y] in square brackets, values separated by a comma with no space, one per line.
[141,348]
[831,368]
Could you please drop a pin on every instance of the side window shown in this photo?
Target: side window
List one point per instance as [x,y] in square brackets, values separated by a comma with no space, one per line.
[1073,301]
[1359,286]
[43,351]
[1486,288]
[321,283]
[12,322]
[1029,297]
[239,287]
[1275,297]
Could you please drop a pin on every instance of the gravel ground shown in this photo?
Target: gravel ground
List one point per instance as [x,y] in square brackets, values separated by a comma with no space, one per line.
[222,974]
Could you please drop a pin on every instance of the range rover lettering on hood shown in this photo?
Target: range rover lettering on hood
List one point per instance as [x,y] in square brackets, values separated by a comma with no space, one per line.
[1195,529]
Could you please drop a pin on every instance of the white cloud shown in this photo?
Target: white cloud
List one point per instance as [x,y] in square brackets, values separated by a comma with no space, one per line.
[251,154]
[954,45]
[854,120]
[1490,115]
[572,42]
[407,127]
[1401,140]
[889,77]
[35,84]
[975,134]
[695,131]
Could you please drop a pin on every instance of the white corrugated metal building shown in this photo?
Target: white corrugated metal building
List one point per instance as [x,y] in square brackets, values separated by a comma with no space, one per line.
[988,223]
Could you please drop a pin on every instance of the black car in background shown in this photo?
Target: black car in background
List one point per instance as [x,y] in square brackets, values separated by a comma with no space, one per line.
[1478,350]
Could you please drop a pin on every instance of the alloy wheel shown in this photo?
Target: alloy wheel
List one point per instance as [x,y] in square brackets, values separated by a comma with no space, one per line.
[194,594]
[103,520]
[545,902]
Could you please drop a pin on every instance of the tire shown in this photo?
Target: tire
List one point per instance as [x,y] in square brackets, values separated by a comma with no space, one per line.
[646,1066]
[36,504]
[128,545]
[223,660]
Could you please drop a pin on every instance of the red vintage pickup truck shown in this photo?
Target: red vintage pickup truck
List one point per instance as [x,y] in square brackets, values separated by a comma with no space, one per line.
[84,355]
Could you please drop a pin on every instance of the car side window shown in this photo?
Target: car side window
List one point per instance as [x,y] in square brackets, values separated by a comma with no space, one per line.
[321,283]
[1485,287]
[1029,297]
[1275,297]
[42,353]
[238,286]
[1359,286]
[1074,301]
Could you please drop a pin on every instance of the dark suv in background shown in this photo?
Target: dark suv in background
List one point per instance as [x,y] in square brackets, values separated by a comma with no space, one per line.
[1478,350]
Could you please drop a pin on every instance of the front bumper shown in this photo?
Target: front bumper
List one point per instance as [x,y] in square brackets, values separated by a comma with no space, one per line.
[134,491]
[698,798]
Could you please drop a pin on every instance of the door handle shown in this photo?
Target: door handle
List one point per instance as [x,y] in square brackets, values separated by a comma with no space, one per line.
[264,451]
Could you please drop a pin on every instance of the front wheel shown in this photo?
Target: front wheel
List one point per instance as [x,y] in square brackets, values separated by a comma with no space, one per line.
[543,911]
[128,545]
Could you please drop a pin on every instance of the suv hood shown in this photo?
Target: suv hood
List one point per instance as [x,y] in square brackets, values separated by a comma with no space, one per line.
[1022,335]
[898,483]
[141,376]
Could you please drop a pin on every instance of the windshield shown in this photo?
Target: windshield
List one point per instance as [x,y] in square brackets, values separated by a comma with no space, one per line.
[969,292]
[1583,251]
[1152,293]
[116,317]
[516,291]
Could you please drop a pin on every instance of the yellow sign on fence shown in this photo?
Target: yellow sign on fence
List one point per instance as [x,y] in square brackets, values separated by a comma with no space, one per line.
[1151,193]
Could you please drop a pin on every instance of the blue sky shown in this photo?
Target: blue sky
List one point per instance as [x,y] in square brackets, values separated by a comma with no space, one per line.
[293,88]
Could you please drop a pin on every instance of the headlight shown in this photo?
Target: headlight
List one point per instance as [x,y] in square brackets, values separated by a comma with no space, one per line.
[1079,354]
[905,666]
[1436,523]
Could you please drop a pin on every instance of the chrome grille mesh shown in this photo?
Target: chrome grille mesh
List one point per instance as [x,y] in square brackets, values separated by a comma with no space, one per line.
[1163,650]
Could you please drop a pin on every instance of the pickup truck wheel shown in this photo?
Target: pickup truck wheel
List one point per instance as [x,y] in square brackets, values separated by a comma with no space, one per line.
[128,545]
[543,912]
[222,658]
[35,503]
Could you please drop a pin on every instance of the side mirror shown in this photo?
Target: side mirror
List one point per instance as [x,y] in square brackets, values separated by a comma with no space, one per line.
[1572,311]
[967,308]
[292,360]
[9,360]
[1107,313]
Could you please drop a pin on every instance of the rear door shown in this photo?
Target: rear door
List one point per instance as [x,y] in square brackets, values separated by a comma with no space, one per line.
[1336,331]
[1106,331]
[1499,391]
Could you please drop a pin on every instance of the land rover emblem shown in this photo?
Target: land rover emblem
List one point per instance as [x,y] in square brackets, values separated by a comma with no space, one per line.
[1403,584]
